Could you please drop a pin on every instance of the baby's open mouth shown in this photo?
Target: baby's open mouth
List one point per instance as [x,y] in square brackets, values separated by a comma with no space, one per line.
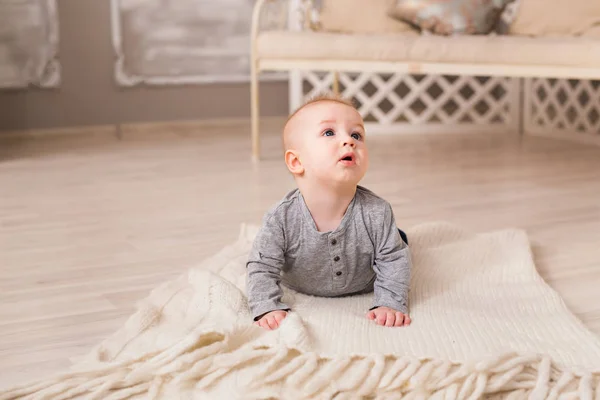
[347,157]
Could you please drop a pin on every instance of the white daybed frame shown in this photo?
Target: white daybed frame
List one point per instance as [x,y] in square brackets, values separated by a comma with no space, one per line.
[305,10]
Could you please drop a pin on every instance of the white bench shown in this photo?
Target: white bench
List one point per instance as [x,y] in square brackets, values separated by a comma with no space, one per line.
[282,41]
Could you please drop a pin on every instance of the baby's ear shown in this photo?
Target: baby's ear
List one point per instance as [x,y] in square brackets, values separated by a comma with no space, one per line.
[292,160]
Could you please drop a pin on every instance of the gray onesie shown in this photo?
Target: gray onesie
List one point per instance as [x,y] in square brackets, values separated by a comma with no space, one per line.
[365,253]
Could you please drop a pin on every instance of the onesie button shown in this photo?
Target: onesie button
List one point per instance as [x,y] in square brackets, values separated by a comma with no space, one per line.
[336,258]
[338,273]
[334,242]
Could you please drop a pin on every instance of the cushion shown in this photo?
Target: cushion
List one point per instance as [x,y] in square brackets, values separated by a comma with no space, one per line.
[563,17]
[359,16]
[475,49]
[447,17]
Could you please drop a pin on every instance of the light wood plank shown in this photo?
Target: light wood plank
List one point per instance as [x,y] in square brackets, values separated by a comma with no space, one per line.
[90,224]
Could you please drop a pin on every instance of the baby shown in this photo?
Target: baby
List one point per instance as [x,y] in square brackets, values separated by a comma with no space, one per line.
[329,237]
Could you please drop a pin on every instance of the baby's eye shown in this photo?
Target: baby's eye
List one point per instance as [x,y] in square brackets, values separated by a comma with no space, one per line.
[356,136]
[328,132]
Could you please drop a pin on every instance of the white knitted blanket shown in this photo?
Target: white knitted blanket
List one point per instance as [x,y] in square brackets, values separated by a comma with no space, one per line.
[484,324]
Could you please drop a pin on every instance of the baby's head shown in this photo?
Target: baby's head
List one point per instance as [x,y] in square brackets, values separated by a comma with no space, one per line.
[324,140]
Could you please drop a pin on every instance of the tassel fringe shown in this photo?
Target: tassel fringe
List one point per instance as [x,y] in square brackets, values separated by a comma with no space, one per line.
[200,362]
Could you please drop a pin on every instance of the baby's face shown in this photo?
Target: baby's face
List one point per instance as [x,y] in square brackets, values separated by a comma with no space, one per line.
[330,139]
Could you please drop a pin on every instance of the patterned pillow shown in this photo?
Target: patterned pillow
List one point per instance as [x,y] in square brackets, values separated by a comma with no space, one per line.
[507,18]
[446,17]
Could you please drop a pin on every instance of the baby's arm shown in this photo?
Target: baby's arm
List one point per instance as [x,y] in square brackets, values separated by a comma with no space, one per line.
[263,269]
[392,268]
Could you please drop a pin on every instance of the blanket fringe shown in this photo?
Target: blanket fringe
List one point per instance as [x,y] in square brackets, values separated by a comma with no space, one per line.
[200,362]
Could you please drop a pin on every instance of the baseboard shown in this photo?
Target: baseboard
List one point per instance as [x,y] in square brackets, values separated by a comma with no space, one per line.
[577,137]
[90,130]
[138,128]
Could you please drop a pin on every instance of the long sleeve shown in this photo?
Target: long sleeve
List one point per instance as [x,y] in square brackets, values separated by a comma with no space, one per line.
[264,267]
[392,267]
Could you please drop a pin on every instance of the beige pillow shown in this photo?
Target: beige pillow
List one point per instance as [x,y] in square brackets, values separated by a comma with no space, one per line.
[359,16]
[555,17]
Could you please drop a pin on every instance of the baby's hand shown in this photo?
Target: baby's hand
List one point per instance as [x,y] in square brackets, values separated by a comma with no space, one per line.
[388,317]
[271,320]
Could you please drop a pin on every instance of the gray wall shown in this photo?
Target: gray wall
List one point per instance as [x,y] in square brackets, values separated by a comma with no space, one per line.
[89,96]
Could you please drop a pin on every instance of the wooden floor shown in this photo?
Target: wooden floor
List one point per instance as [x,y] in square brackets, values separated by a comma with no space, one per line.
[89,223]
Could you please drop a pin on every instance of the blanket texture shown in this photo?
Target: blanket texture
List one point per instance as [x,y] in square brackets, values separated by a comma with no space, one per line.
[484,325]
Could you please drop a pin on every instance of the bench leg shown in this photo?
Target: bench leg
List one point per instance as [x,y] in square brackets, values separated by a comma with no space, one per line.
[336,83]
[254,112]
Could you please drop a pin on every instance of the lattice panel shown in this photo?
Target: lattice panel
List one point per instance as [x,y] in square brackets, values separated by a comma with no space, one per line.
[440,102]
[563,106]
